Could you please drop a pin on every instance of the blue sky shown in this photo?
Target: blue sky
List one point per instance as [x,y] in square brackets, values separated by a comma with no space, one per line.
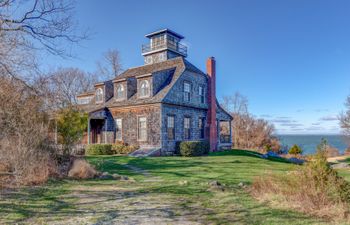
[291,58]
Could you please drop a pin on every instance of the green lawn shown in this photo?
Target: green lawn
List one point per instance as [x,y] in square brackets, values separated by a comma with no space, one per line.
[157,196]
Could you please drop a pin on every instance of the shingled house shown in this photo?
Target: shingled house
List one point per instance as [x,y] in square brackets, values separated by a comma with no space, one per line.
[160,103]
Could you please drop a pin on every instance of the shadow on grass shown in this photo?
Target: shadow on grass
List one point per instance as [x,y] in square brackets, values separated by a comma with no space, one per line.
[247,153]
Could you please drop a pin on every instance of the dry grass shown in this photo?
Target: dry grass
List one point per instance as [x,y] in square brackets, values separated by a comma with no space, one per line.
[315,189]
[81,169]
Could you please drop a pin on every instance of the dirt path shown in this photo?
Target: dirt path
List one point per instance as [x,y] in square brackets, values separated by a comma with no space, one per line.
[337,159]
[103,203]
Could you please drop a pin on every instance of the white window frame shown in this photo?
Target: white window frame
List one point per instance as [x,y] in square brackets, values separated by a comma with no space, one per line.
[185,93]
[189,128]
[148,89]
[168,126]
[121,129]
[99,91]
[122,92]
[138,128]
[201,94]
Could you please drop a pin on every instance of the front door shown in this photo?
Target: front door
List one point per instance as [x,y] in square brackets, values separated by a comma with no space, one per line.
[96,131]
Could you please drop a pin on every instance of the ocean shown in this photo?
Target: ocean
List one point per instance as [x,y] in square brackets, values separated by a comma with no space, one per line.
[309,143]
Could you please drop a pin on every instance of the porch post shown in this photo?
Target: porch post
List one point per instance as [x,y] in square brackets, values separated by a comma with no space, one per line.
[88,133]
[218,131]
[106,131]
[230,131]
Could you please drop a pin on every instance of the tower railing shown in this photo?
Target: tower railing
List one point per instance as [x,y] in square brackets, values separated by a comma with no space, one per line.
[165,44]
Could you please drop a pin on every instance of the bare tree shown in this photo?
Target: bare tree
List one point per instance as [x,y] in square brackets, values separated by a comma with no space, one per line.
[32,25]
[236,103]
[24,147]
[63,85]
[110,65]
[247,131]
[345,119]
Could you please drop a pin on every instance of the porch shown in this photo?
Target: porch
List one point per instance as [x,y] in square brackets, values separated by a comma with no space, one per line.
[100,127]
[224,134]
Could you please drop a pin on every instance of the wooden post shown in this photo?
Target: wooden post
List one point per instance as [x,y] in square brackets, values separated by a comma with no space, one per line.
[106,124]
[88,133]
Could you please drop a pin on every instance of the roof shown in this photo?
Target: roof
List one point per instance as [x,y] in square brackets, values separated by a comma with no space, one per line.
[164,31]
[176,66]
[86,94]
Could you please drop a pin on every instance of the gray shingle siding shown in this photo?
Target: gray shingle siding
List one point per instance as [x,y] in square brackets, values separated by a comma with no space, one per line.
[176,94]
[179,112]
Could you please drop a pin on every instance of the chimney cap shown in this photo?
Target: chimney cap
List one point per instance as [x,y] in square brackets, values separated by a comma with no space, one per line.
[212,58]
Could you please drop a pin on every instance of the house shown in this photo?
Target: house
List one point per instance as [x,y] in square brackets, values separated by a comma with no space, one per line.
[155,105]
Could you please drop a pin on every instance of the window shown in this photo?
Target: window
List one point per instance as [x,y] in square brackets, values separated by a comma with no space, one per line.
[187,92]
[171,127]
[144,88]
[84,100]
[118,129]
[201,94]
[142,129]
[201,125]
[187,128]
[99,95]
[120,92]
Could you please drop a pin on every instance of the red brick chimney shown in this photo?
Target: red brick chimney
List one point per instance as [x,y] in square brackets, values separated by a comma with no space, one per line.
[212,133]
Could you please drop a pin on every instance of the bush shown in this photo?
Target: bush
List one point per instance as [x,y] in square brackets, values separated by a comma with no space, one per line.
[315,189]
[81,169]
[99,149]
[295,150]
[347,151]
[123,148]
[194,148]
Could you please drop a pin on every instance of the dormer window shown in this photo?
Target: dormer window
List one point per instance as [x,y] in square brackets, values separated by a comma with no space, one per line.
[99,95]
[144,89]
[120,92]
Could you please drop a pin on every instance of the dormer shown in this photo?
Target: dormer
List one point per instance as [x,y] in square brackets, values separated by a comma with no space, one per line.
[103,92]
[124,88]
[144,86]
[163,45]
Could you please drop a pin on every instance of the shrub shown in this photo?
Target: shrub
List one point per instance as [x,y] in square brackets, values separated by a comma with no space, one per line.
[194,148]
[81,169]
[347,151]
[123,148]
[328,150]
[295,150]
[315,189]
[99,149]
[71,125]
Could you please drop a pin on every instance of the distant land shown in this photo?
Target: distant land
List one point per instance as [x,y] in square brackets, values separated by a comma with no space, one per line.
[309,142]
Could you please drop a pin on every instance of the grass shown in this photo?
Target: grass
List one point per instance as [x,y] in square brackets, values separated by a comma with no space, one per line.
[159,195]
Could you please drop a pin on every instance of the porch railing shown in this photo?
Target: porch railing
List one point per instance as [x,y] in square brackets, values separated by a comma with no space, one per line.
[166,44]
